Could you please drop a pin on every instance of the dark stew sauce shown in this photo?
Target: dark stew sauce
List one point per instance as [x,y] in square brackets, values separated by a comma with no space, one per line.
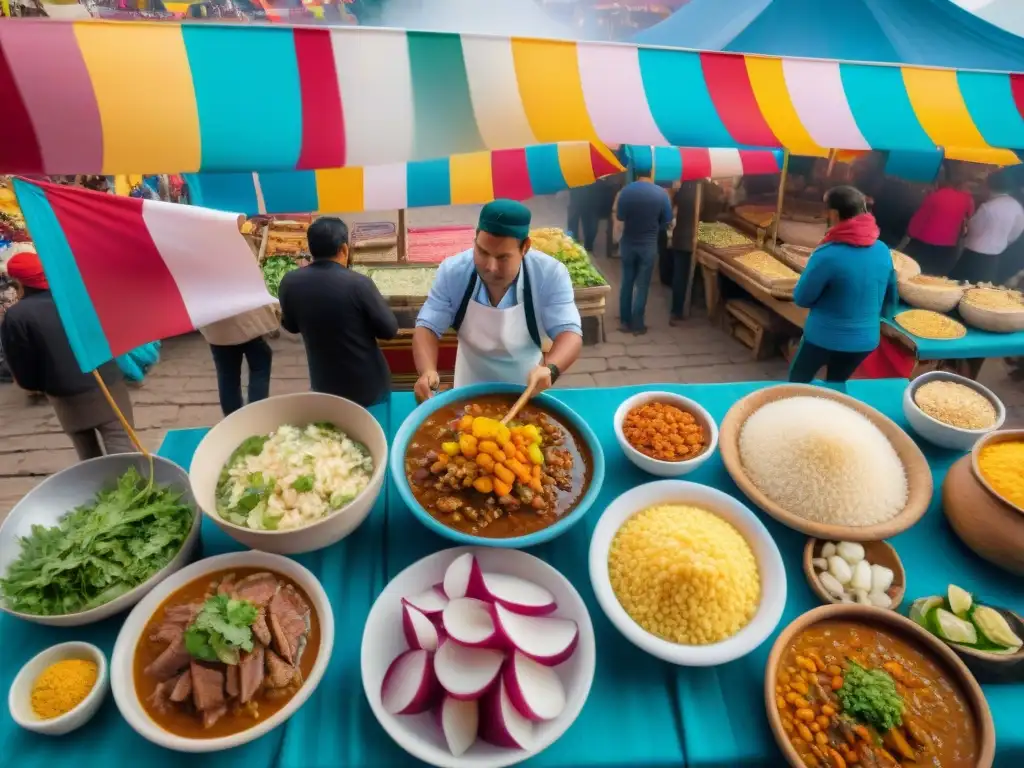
[271,685]
[937,727]
[446,492]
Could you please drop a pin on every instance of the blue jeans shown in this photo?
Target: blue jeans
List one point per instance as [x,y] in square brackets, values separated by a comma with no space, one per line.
[228,362]
[637,269]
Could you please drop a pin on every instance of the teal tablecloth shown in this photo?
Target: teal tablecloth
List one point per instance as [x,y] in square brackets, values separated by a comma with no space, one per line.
[975,344]
[640,713]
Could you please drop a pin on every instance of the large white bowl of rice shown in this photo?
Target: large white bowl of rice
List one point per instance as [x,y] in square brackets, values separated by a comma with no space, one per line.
[687,573]
[825,464]
[951,411]
[291,474]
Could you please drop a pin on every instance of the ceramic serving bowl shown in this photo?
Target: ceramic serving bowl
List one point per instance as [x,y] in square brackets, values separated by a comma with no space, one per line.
[898,626]
[76,486]
[264,417]
[1008,435]
[991,667]
[660,467]
[563,413]
[19,700]
[122,660]
[939,433]
[919,475]
[769,563]
[384,640]
[876,553]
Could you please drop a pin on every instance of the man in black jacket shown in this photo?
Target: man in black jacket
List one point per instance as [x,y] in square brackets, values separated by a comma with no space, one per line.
[40,357]
[340,315]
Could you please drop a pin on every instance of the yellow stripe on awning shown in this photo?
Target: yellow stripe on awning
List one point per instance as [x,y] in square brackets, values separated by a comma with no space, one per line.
[769,85]
[340,190]
[577,165]
[940,108]
[551,90]
[471,178]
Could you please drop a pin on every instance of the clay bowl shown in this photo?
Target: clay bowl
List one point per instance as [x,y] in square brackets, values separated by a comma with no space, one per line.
[993,529]
[1003,436]
[919,474]
[891,623]
[996,667]
[876,553]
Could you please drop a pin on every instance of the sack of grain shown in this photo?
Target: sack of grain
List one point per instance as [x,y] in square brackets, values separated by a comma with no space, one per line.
[999,310]
[938,294]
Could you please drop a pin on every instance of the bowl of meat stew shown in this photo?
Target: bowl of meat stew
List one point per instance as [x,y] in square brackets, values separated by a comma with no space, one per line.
[222,652]
[471,479]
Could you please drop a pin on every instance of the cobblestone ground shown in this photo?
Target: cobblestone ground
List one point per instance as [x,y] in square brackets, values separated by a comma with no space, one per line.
[181,391]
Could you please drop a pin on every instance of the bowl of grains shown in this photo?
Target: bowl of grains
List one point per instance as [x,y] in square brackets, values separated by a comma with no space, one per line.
[926,324]
[939,294]
[665,434]
[999,310]
[951,411]
[687,573]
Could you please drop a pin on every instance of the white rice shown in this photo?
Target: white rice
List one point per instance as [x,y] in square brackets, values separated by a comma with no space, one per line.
[824,462]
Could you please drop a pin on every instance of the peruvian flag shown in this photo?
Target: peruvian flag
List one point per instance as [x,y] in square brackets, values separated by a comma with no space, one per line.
[125,271]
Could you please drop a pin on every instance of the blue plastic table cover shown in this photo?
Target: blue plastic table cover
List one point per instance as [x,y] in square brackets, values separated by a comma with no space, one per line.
[641,712]
[976,343]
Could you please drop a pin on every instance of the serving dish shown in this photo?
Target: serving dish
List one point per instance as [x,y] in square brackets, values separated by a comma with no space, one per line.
[660,467]
[897,626]
[996,667]
[401,443]
[942,434]
[919,476]
[19,699]
[264,417]
[76,486]
[765,550]
[990,439]
[383,640]
[875,552]
[122,660]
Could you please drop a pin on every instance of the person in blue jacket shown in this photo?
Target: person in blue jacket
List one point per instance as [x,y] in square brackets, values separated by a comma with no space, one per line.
[848,285]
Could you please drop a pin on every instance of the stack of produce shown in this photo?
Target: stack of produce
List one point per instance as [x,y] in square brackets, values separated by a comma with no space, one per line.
[400,281]
[930,325]
[721,235]
[1000,310]
[274,270]
[554,242]
[959,618]
[939,294]
[286,238]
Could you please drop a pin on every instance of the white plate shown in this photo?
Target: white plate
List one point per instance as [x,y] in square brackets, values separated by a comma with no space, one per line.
[383,640]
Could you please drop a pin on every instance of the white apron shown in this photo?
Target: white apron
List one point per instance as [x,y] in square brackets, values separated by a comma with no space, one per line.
[495,345]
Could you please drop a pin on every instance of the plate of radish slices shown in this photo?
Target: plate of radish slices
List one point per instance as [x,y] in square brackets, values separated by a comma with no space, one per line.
[477,658]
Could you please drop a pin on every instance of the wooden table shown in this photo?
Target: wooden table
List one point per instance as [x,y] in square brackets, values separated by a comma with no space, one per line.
[715,268]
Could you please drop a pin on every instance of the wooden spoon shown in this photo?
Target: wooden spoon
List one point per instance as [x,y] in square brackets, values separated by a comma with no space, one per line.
[518,405]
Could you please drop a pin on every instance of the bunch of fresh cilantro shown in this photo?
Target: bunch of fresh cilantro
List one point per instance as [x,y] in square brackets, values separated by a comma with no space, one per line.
[221,630]
[99,551]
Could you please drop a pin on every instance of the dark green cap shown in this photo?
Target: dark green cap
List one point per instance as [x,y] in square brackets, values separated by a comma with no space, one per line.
[505,218]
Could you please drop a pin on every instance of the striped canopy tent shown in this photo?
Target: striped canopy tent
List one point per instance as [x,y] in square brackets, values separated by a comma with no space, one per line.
[671,164]
[76,100]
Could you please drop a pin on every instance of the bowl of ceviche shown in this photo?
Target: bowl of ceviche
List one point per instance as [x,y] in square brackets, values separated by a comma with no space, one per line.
[471,479]
[291,474]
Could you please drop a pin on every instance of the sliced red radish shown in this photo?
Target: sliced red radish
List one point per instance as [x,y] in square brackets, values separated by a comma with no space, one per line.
[469,622]
[516,594]
[547,640]
[534,689]
[501,724]
[409,685]
[420,631]
[466,673]
[459,723]
[463,577]
[430,602]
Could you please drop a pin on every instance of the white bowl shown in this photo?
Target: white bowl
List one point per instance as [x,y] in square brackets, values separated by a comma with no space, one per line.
[73,487]
[19,700]
[769,563]
[942,434]
[122,677]
[657,466]
[264,417]
[383,640]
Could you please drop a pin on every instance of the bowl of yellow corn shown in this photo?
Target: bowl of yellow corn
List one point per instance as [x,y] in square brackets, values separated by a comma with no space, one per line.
[687,573]
[999,310]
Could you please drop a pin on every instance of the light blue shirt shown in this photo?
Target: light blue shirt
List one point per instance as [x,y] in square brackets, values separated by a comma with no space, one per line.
[553,298]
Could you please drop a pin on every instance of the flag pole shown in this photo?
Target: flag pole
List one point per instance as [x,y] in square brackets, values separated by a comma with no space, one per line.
[132,435]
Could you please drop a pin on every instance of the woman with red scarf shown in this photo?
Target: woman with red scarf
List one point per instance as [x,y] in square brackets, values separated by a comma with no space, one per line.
[849,283]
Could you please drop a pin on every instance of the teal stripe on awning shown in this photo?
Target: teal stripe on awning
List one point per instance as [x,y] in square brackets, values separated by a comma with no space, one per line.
[289,191]
[77,313]
[224,191]
[668,164]
[896,126]
[428,182]
[989,98]
[545,169]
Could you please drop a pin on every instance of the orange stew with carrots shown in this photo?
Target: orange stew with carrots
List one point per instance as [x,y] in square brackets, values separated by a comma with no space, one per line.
[488,479]
[932,726]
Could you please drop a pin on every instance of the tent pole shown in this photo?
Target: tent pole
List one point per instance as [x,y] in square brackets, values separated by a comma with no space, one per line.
[687,303]
[782,194]
[403,232]
[831,163]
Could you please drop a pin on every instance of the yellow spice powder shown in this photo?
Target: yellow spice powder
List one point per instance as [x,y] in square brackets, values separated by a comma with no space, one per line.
[62,687]
[1002,465]
[684,574]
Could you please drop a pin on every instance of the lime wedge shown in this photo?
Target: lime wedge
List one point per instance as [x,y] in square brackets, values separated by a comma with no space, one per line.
[949,627]
[959,601]
[920,608]
[994,627]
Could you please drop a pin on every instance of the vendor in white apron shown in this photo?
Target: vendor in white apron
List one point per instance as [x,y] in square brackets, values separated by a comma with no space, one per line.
[503,299]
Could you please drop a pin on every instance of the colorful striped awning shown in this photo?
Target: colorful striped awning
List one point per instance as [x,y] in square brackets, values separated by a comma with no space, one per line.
[671,164]
[76,99]
[458,180]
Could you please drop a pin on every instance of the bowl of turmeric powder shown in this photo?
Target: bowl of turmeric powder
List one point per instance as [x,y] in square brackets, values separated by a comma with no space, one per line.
[59,689]
[998,462]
